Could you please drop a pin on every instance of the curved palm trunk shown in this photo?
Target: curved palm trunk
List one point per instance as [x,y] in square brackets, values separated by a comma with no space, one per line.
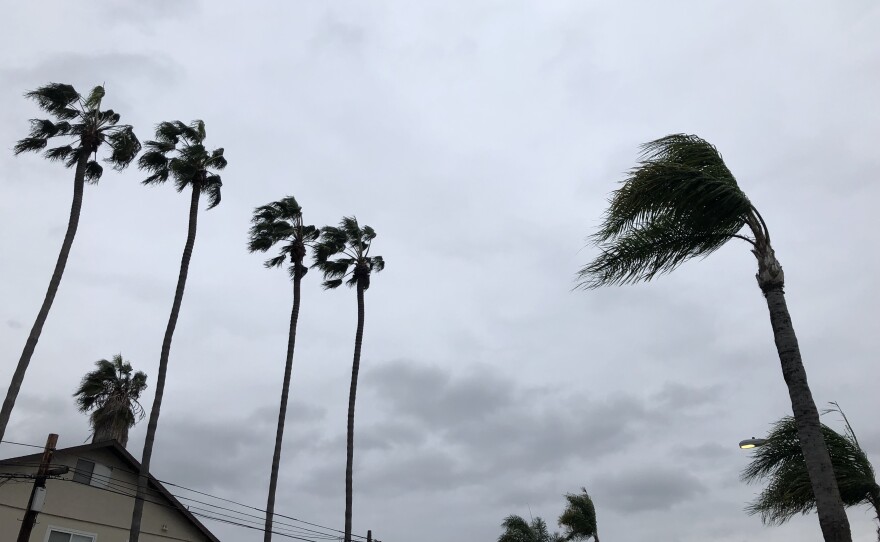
[31,343]
[355,367]
[282,412]
[832,517]
[163,366]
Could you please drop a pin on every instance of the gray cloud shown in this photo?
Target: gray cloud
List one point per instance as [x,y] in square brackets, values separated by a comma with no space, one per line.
[644,489]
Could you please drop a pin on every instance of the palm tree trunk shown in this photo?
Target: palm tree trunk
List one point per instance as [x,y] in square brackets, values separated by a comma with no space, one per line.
[31,343]
[163,366]
[832,517]
[355,367]
[282,412]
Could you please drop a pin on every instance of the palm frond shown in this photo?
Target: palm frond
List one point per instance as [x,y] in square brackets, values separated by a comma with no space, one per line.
[212,187]
[679,202]
[59,153]
[55,98]
[125,147]
[95,97]
[30,144]
[93,172]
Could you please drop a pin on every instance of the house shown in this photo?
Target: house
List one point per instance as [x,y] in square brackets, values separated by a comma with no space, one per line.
[93,502]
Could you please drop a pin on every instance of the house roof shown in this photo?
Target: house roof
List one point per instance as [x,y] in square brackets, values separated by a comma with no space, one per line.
[122,453]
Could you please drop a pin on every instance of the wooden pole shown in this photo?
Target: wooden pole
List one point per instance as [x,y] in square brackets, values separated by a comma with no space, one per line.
[30,515]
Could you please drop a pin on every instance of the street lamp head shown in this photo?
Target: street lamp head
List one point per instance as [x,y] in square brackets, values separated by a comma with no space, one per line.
[753,442]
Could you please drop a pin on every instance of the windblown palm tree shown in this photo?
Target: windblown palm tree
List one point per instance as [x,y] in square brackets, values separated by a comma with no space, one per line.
[177,153]
[680,202]
[780,462]
[83,128]
[281,221]
[111,393]
[516,529]
[350,245]
[579,517]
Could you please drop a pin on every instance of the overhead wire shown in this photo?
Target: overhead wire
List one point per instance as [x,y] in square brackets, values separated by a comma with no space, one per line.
[121,484]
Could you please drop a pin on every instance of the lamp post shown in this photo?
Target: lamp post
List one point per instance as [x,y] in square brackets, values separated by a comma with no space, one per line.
[753,442]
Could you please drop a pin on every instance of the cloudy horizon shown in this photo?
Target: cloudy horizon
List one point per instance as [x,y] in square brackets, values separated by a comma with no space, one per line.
[481,140]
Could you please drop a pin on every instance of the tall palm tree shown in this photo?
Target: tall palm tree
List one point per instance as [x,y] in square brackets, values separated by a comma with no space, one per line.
[343,254]
[516,529]
[111,393]
[178,153]
[780,462]
[680,202]
[579,517]
[282,221]
[83,128]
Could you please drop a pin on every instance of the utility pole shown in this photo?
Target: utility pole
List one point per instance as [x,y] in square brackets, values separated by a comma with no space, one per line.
[38,493]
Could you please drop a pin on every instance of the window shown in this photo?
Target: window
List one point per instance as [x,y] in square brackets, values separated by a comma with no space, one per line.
[92,474]
[63,535]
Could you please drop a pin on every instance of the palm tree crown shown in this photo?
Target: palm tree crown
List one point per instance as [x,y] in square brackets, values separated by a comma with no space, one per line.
[111,393]
[680,202]
[191,163]
[84,126]
[579,517]
[780,462]
[282,221]
[354,265]
[516,529]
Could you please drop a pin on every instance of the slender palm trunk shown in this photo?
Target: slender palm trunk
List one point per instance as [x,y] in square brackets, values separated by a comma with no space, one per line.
[163,366]
[832,517]
[282,412]
[355,367]
[31,343]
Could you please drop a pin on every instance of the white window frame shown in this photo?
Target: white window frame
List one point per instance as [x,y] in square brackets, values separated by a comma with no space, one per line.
[66,530]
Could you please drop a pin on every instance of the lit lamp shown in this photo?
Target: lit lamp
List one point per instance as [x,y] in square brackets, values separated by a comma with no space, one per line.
[753,442]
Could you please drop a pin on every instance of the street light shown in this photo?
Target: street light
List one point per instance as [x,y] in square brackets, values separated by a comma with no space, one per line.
[753,442]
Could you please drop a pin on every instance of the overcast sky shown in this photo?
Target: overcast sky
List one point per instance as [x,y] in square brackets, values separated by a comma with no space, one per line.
[480,139]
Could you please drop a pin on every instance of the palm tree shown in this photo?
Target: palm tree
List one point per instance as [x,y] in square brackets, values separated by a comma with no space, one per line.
[516,529]
[780,462]
[111,393]
[353,265]
[680,202]
[83,128]
[579,517]
[281,221]
[178,153]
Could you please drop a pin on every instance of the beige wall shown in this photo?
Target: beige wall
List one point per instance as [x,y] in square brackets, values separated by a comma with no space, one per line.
[79,507]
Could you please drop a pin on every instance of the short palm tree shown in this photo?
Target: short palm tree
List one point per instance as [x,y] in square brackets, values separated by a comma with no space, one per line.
[111,393]
[343,255]
[282,222]
[516,529]
[83,129]
[780,463]
[681,202]
[579,517]
[177,153]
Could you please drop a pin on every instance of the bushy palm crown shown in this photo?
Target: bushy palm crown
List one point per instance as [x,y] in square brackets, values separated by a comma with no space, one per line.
[84,127]
[352,245]
[516,529]
[189,163]
[282,221]
[680,202]
[111,392]
[579,517]
[780,462]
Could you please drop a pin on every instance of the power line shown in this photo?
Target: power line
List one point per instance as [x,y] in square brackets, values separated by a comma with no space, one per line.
[263,511]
